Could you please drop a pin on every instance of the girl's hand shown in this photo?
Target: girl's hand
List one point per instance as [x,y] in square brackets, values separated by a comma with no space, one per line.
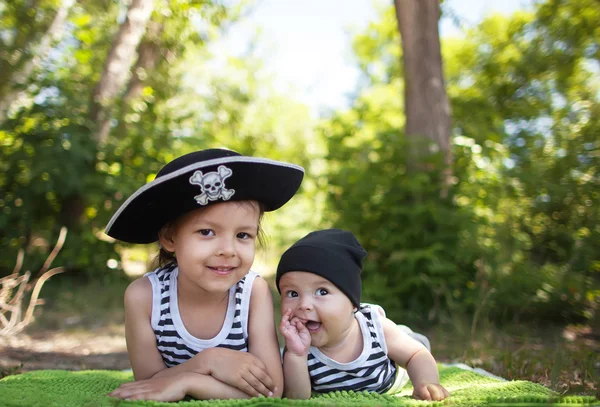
[430,391]
[241,370]
[297,337]
[171,388]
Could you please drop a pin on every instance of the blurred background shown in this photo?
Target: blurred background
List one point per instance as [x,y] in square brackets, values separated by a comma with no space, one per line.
[463,154]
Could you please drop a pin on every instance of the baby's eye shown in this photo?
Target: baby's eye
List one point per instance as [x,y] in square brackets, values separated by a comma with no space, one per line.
[244,235]
[322,291]
[206,232]
[291,294]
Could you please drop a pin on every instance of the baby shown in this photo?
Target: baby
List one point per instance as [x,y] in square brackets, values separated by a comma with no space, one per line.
[332,341]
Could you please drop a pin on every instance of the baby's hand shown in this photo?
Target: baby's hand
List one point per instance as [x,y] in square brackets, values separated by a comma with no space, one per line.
[297,337]
[430,391]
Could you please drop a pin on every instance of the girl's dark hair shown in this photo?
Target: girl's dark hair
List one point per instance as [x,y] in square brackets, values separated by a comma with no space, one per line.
[165,257]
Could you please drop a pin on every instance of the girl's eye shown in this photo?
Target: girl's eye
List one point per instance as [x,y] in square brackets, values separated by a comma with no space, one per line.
[206,232]
[244,235]
[322,291]
[291,294]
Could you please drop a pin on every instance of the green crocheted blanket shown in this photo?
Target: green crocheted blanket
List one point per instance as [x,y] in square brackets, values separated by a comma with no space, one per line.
[89,388]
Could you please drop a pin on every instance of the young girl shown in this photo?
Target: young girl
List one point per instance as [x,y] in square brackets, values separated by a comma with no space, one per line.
[333,342]
[202,323]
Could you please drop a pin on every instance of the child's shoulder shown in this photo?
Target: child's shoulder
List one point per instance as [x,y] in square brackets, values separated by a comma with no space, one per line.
[367,307]
[261,305]
[259,286]
[139,290]
[138,299]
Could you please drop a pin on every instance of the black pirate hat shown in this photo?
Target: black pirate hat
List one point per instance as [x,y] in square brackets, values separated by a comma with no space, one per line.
[198,179]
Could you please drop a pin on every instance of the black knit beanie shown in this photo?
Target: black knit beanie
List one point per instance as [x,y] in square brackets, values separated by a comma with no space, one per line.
[331,253]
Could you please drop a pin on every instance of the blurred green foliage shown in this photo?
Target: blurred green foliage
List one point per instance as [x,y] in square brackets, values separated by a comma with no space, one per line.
[53,173]
[515,238]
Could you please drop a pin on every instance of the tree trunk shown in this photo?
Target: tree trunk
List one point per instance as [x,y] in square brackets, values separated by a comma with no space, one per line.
[117,66]
[148,54]
[14,80]
[426,103]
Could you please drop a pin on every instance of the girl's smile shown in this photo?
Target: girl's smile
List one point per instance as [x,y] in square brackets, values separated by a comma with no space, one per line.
[222,270]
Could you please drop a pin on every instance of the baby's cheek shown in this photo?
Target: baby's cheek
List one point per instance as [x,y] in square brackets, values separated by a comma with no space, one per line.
[284,305]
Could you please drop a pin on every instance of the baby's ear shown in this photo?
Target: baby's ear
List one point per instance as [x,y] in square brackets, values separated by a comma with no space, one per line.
[354,310]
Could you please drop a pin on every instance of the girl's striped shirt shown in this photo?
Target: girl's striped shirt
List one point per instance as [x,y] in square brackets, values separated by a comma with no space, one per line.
[175,344]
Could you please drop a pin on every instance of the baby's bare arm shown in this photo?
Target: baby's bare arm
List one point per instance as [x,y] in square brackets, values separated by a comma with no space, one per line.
[295,360]
[424,375]
[296,377]
[418,361]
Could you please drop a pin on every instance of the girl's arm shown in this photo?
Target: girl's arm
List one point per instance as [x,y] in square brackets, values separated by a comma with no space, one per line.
[240,370]
[141,343]
[262,336]
[418,361]
[176,387]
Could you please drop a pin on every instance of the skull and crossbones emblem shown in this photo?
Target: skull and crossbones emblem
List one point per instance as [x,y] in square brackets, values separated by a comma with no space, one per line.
[212,185]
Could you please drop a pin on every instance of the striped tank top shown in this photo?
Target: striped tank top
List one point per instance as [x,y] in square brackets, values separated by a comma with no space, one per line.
[175,344]
[373,370]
